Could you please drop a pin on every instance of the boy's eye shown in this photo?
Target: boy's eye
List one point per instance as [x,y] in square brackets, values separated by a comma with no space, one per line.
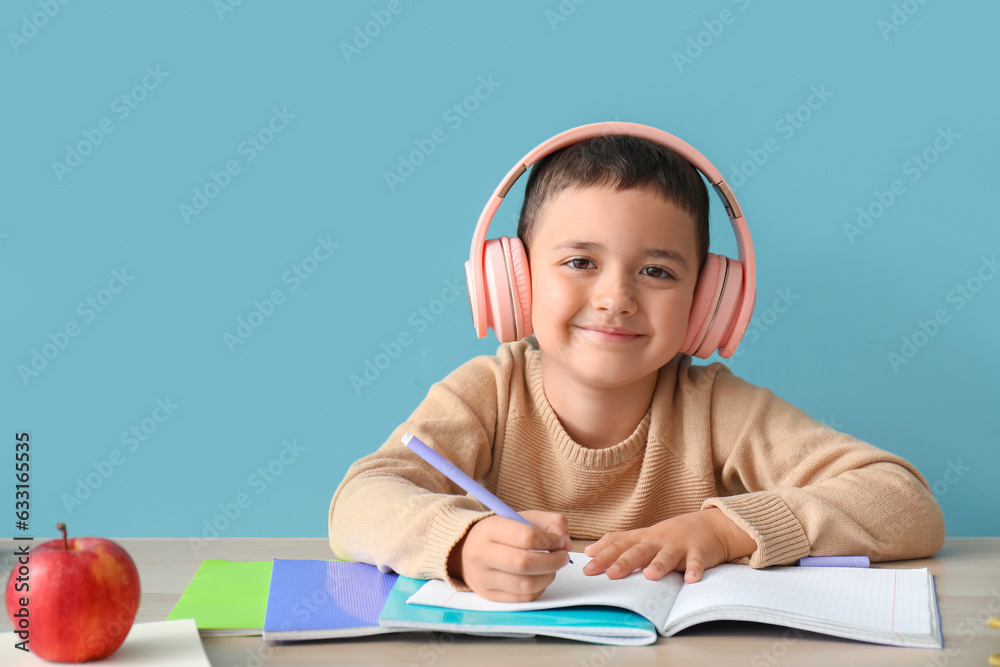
[658,272]
[579,263]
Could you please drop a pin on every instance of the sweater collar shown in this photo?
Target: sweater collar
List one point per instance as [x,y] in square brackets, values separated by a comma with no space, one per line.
[609,457]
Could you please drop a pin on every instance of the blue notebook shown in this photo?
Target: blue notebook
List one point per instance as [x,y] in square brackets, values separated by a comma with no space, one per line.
[323,599]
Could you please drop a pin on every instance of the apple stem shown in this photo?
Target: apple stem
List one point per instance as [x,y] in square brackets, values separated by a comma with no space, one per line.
[62,527]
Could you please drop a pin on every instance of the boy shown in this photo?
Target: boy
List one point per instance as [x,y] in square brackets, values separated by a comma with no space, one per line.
[598,427]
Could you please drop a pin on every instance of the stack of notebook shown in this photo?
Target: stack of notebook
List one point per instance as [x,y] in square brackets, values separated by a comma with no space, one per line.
[288,600]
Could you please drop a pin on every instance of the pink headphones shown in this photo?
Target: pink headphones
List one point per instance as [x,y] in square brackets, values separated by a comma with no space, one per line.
[500,284]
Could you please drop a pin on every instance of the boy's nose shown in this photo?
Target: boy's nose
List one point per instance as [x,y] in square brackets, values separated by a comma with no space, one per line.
[614,293]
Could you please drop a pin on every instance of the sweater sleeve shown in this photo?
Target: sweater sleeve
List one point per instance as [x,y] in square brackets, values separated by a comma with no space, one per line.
[801,488]
[393,509]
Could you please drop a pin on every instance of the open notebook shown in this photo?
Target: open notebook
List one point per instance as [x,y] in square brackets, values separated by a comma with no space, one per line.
[895,607]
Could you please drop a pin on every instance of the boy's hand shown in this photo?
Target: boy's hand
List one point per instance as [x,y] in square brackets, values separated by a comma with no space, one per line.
[689,542]
[507,561]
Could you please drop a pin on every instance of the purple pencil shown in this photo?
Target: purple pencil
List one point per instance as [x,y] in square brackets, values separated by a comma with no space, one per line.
[448,469]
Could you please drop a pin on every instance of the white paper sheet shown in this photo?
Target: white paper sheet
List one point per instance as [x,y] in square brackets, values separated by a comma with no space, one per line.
[166,643]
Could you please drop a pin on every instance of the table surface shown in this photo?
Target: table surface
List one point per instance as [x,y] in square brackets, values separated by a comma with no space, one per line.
[967,571]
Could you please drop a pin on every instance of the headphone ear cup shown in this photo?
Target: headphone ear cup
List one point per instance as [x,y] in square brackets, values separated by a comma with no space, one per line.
[722,323]
[498,291]
[706,296]
[521,274]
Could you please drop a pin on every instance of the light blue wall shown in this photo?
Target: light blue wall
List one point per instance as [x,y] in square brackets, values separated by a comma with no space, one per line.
[891,81]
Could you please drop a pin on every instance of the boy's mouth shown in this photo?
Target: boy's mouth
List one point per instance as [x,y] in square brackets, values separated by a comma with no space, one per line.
[610,334]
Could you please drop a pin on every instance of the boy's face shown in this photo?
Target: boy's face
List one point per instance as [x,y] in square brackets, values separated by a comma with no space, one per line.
[604,259]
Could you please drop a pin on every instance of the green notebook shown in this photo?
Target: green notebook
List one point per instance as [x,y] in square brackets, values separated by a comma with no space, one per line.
[226,598]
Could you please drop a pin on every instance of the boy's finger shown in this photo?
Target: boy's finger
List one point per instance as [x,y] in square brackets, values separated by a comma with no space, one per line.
[544,540]
[506,587]
[634,557]
[553,523]
[600,560]
[662,563]
[559,543]
[694,568]
[541,534]
[608,558]
[521,562]
[516,535]
[522,536]
[559,525]
[596,547]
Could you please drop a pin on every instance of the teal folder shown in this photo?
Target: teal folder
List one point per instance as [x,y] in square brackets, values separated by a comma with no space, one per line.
[599,625]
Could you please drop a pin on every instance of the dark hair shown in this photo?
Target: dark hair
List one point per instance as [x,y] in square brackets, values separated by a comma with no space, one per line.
[622,162]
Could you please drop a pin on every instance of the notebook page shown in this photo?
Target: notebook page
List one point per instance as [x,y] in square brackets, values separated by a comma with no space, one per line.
[571,587]
[879,602]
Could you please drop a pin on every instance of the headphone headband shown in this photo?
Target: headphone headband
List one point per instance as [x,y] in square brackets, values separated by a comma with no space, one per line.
[574,135]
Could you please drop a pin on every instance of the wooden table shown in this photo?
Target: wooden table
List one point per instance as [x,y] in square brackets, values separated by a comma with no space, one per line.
[967,570]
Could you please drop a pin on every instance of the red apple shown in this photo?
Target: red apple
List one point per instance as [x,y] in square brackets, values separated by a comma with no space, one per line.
[81,597]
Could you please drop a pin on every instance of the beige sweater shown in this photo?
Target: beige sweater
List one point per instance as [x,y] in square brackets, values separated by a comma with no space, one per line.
[798,487]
